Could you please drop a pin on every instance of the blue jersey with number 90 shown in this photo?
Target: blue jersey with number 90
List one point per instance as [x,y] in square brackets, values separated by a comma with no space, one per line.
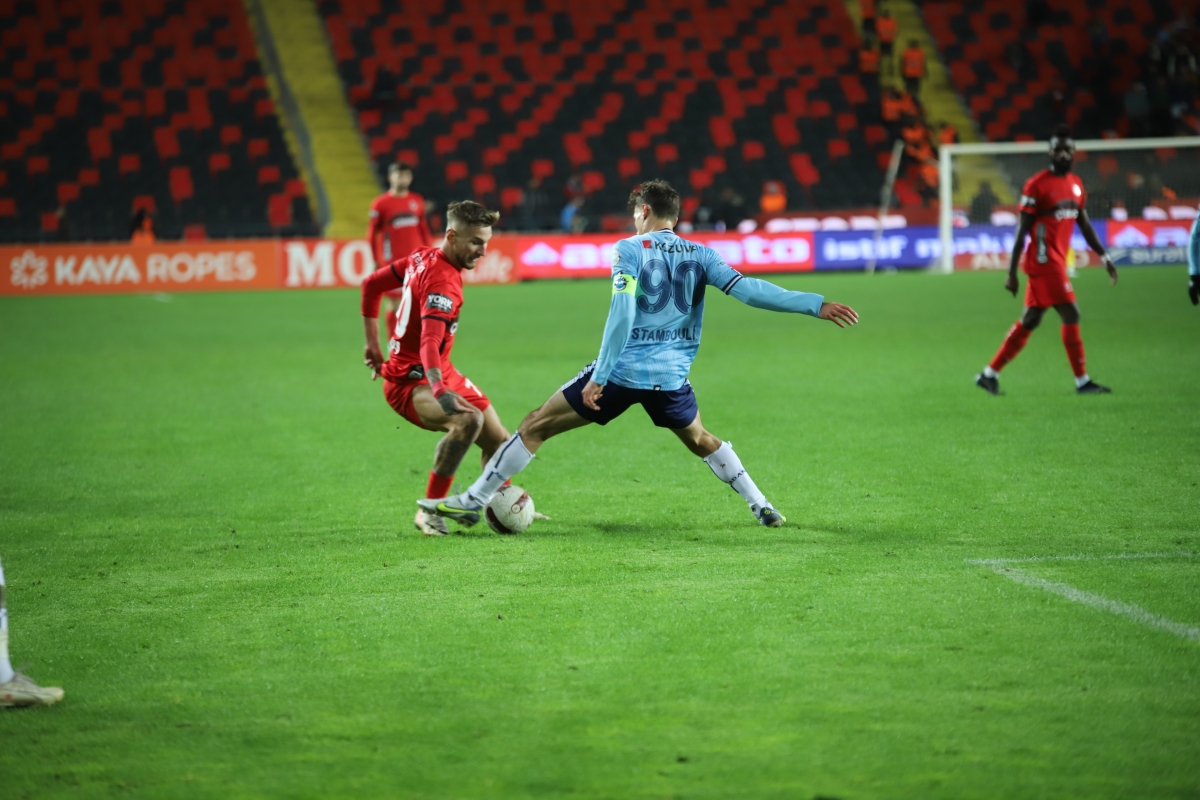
[666,277]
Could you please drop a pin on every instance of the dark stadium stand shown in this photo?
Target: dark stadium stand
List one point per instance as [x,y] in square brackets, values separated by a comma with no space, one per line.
[704,93]
[1008,66]
[122,104]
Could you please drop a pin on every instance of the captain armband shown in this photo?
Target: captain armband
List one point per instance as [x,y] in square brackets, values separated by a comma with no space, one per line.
[623,283]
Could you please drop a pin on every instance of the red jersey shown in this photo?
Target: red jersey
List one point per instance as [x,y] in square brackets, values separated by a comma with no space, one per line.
[1055,202]
[428,315]
[401,220]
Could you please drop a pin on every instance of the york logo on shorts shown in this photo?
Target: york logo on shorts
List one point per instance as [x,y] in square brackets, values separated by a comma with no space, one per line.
[439,302]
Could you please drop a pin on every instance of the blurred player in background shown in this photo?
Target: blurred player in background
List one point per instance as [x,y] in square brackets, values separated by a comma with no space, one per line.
[397,225]
[1052,202]
[419,381]
[650,341]
[15,688]
[1194,262]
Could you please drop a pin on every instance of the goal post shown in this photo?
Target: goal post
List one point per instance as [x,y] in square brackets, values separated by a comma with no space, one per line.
[1126,179]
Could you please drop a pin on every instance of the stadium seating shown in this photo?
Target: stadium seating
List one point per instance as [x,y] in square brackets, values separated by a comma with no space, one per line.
[1007,69]
[704,93]
[107,106]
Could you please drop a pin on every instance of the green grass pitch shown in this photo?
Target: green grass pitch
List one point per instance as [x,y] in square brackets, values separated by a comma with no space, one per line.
[205,522]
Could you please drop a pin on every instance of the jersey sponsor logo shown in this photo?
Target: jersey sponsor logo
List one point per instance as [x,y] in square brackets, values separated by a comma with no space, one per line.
[439,302]
[646,245]
[1066,213]
[656,335]
[404,221]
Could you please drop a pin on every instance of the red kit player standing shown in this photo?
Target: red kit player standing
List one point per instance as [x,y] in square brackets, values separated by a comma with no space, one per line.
[1052,202]
[397,225]
[420,383]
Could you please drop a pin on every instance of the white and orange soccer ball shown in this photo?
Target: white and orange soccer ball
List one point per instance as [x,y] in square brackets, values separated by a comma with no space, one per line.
[510,510]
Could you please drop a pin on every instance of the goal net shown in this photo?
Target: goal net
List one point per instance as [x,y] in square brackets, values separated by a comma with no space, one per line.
[1142,196]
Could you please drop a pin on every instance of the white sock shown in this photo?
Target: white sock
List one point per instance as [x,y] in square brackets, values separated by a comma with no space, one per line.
[511,458]
[988,372]
[1081,380]
[6,670]
[728,467]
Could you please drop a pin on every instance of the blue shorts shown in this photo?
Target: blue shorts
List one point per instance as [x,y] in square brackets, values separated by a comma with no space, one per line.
[676,409]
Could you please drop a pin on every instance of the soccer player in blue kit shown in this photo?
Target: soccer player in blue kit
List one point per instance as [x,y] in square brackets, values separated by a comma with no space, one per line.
[650,341]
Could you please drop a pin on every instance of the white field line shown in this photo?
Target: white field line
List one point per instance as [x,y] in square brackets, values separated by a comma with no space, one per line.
[989,562]
[1135,613]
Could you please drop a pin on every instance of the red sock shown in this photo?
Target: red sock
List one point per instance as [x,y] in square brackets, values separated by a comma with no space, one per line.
[506,483]
[439,485]
[1017,336]
[390,321]
[1074,344]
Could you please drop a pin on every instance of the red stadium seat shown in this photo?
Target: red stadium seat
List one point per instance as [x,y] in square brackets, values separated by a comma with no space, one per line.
[67,192]
[838,148]
[628,167]
[511,197]
[665,153]
[181,183]
[218,162]
[802,167]
[268,174]
[752,151]
[483,184]
[456,171]
[279,210]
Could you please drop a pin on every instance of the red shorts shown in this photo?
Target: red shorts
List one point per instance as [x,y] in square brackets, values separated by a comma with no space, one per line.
[399,393]
[1043,291]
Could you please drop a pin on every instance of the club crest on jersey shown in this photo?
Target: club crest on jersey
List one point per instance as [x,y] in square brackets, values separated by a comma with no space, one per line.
[439,302]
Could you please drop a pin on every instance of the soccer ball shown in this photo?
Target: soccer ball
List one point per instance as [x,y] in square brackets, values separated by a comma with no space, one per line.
[510,511]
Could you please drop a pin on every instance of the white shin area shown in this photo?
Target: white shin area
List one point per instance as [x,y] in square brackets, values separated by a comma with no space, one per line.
[511,458]
[728,467]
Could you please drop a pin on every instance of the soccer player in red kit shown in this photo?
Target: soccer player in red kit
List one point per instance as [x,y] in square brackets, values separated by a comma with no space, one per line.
[397,225]
[1052,202]
[419,381]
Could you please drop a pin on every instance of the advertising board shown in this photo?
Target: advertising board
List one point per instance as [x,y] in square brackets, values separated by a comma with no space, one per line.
[123,268]
[38,269]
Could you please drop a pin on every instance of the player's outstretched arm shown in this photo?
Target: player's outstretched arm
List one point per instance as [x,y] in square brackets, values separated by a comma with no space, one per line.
[763,294]
[617,329]
[372,353]
[373,288]
[1012,284]
[1089,234]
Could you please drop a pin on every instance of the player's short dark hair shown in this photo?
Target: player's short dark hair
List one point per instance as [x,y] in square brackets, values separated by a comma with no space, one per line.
[399,166]
[470,213]
[659,195]
[1061,131]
